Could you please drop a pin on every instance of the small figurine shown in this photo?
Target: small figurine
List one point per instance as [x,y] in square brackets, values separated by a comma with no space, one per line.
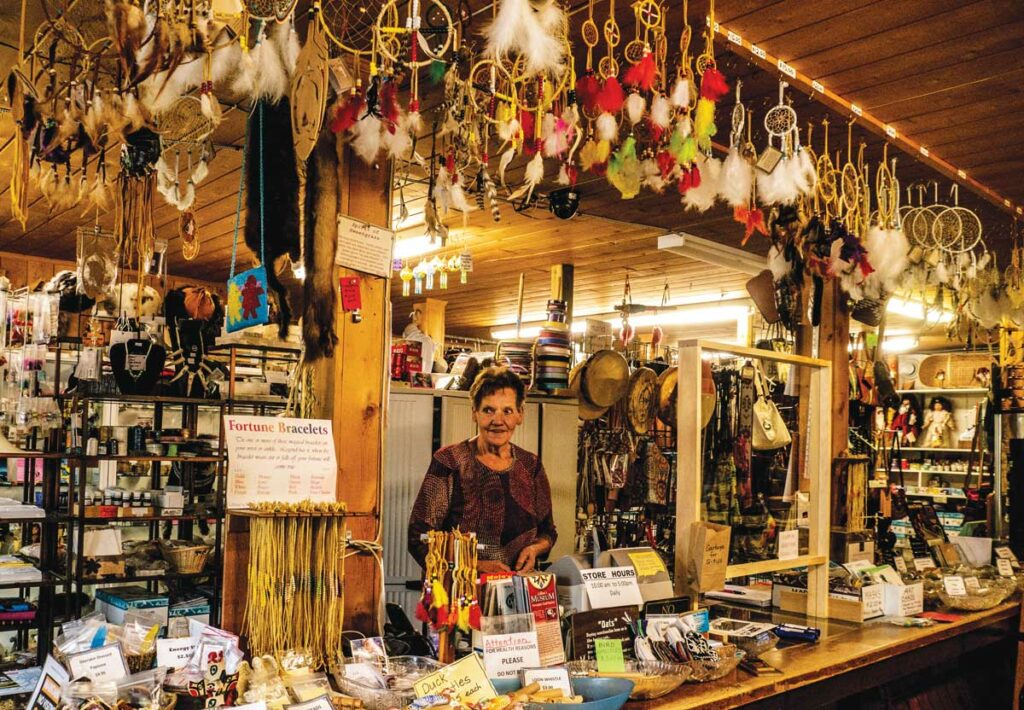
[906,423]
[938,423]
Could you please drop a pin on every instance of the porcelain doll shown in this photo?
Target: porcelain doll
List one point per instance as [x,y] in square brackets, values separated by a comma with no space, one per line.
[938,423]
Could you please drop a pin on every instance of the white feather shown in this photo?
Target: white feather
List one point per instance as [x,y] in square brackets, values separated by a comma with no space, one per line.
[797,177]
[398,143]
[888,251]
[681,93]
[366,138]
[287,41]
[684,126]
[777,263]
[563,175]
[734,187]
[543,45]
[227,53]
[635,106]
[535,170]
[702,197]
[270,80]
[513,16]
[503,164]
[243,78]
[507,130]
[606,129]
[200,172]
[807,168]
[571,115]
[661,111]
[652,175]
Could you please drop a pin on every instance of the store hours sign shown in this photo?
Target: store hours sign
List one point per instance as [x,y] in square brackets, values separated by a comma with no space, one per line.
[279,459]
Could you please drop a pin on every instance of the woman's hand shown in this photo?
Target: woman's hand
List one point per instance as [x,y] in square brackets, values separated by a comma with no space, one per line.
[491,566]
[527,561]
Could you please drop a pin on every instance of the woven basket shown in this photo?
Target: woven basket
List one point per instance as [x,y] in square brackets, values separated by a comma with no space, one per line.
[954,370]
[168,701]
[186,560]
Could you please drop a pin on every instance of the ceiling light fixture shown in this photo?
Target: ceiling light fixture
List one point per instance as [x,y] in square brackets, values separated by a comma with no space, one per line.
[711,252]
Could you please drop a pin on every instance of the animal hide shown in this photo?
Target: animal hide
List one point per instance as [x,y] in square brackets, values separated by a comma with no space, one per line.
[125,301]
[280,196]
[321,231]
[72,299]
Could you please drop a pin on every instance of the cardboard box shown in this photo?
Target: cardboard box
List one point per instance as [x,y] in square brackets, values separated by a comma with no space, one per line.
[852,546]
[140,512]
[903,599]
[845,606]
[115,601]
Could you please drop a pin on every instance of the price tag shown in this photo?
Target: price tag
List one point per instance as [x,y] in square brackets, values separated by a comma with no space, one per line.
[322,702]
[972,583]
[1006,203]
[924,151]
[890,131]
[955,586]
[789,544]
[174,653]
[901,564]
[1006,553]
[923,563]
[1004,567]
[549,679]
[99,665]
[351,299]
[611,586]
[961,174]
[818,86]
[506,654]
[786,69]
[857,110]
[735,38]
[465,680]
[609,656]
[757,51]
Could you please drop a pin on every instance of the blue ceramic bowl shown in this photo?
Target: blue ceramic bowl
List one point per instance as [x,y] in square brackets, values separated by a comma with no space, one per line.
[598,693]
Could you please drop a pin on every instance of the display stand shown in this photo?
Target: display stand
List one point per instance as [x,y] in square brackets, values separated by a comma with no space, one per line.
[688,498]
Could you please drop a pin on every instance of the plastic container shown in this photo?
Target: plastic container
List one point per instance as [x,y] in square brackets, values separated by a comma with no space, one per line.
[598,693]
[651,679]
[405,670]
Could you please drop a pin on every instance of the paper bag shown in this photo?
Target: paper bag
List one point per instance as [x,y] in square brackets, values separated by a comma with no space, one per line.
[709,555]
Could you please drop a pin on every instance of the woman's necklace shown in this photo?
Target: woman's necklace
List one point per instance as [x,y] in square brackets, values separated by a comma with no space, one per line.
[135,364]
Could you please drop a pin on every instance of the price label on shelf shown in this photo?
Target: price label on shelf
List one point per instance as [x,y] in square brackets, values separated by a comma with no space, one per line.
[955,586]
[1004,567]
[786,69]
[735,38]
[923,563]
[757,51]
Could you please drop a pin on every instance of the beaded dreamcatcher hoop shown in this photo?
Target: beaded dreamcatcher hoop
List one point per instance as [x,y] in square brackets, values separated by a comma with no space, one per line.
[612,33]
[780,120]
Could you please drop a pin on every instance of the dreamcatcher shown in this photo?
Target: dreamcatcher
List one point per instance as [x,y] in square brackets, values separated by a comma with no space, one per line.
[774,183]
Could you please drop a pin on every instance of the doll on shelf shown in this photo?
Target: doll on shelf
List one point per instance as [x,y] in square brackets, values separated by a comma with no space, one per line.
[907,422]
[938,423]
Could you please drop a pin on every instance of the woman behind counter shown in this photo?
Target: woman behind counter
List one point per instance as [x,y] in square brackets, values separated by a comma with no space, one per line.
[488,485]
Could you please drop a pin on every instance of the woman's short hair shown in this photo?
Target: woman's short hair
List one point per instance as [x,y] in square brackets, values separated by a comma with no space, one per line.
[494,379]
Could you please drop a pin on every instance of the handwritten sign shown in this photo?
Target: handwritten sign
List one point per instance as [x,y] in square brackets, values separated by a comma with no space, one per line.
[174,653]
[549,679]
[611,586]
[364,247]
[279,459]
[465,680]
[1004,566]
[954,585]
[901,564]
[351,299]
[647,563]
[609,656]
[99,665]
[506,654]
[789,544]
[972,583]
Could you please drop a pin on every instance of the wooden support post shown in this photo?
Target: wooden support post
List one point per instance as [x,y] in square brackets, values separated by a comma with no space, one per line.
[834,346]
[351,390]
[562,285]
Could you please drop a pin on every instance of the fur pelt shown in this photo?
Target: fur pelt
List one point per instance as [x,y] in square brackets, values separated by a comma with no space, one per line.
[280,196]
[123,299]
[321,229]
[72,300]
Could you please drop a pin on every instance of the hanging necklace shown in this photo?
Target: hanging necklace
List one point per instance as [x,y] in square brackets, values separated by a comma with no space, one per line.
[132,362]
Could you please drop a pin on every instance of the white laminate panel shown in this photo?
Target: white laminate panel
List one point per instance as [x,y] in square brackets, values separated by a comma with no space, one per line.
[558,454]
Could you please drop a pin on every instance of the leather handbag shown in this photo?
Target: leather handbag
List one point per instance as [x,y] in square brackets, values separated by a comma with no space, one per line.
[768,429]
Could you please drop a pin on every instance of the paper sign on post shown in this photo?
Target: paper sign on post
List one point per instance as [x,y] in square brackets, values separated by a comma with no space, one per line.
[46,695]
[322,702]
[99,665]
[364,247]
[174,653]
[549,679]
[611,586]
[955,586]
[465,679]
[789,544]
[609,656]
[506,654]
[647,563]
[279,459]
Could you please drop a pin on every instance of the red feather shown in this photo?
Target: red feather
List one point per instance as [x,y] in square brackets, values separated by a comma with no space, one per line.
[611,97]
[655,130]
[694,176]
[474,616]
[572,172]
[526,124]
[642,74]
[346,114]
[422,614]
[587,90]
[666,163]
[713,85]
[389,105]
[442,617]
[685,182]
[599,168]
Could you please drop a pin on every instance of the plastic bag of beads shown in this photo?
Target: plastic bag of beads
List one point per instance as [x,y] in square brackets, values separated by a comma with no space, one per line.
[87,695]
[141,691]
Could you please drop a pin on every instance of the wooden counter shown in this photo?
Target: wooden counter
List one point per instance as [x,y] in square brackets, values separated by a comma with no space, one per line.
[816,674]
